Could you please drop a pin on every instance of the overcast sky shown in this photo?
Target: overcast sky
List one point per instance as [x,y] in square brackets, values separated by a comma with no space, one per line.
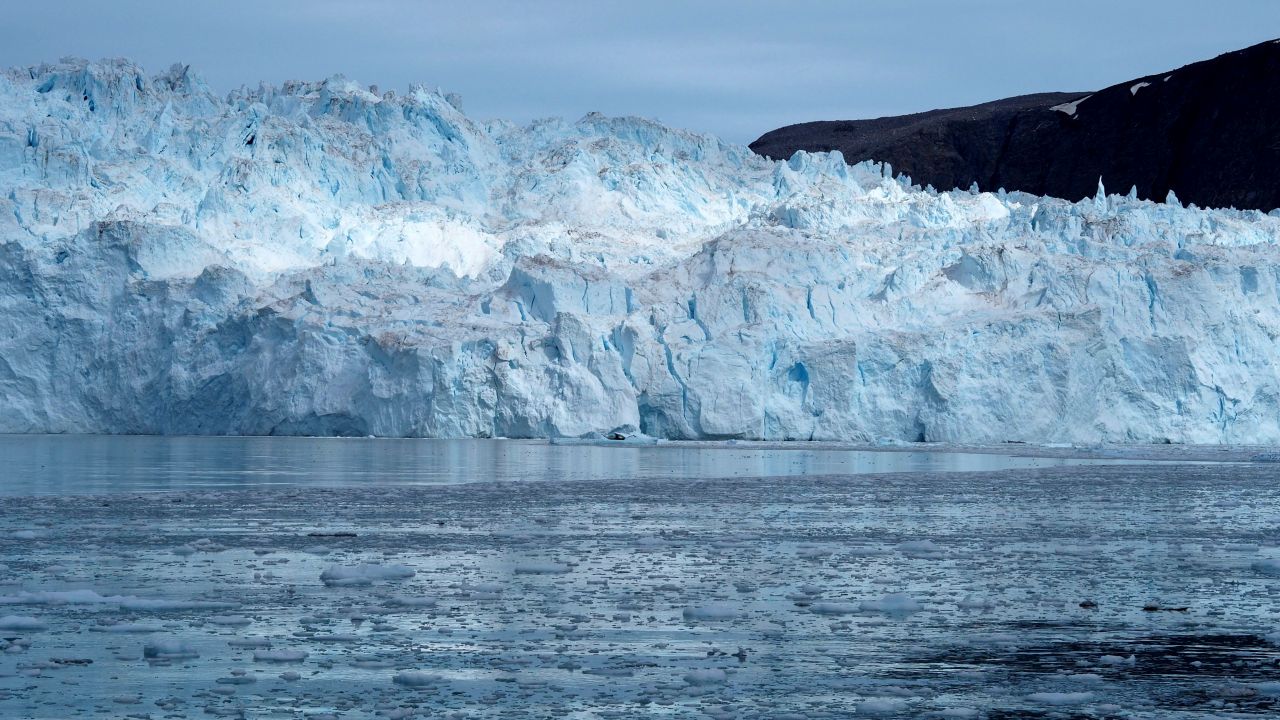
[735,68]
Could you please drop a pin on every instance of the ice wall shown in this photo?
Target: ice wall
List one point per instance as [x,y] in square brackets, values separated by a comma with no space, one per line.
[318,258]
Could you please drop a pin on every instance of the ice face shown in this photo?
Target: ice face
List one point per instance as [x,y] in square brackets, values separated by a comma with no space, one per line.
[316,258]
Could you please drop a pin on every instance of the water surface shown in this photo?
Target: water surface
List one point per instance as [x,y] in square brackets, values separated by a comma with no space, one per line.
[93,464]
[367,580]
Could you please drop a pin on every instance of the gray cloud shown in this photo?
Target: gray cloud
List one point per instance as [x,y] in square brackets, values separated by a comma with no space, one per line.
[732,67]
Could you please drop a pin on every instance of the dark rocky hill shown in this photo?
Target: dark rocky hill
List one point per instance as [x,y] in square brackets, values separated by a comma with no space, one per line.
[1209,131]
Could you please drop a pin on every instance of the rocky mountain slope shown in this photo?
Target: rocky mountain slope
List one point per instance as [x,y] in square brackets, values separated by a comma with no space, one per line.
[320,258]
[1209,131]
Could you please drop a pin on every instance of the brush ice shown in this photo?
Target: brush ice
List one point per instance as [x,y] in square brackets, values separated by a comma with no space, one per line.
[1118,660]
[713,612]
[229,620]
[21,622]
[318,259]
[280,656]
[882,706]
[365,574]
[609,638]
[892,604]
[541,567]
[834,608]
[132,628]
[411,602]
[712,676]
[416,678]
[125,602]
[1061,698]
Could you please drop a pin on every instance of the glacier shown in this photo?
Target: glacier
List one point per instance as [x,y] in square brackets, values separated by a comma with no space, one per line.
[321,258]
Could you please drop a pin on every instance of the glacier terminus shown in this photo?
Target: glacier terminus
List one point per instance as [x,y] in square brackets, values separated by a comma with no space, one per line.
[321,258]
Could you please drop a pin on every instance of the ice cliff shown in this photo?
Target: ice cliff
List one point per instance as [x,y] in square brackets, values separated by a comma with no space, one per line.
[323,258]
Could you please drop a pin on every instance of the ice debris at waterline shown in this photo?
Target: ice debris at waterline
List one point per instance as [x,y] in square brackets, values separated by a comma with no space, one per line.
[318,258]
[732,615]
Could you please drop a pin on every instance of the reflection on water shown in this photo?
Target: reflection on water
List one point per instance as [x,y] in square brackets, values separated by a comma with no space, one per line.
[105,464]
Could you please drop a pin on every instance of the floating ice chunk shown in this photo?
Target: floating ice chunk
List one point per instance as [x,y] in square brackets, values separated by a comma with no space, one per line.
[1233,690]
[892,604]
[60,597]
[336,638]
[541,567]
[201,545]
[714,611]
[650,543]
[1117,660]
[972,602]
[1267,566]
[364,574]
[252,642]
[812,553]
[864,551]
[1061,698]
[168,649]
[163,605]
[957,713]
[881,706]
[127,602]
[280,656]
[712,676]
[229,620]
[926,549]
[610,672]
[21,622]
[833,608]
[290,676]
[24,535]
[483,591]
[416,678]
[132,628]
